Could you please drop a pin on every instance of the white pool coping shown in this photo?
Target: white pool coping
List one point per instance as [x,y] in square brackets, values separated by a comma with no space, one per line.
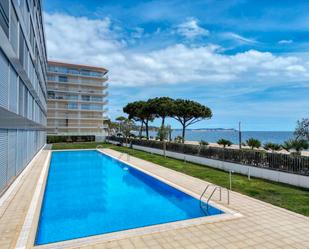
[25,233]
[31,222]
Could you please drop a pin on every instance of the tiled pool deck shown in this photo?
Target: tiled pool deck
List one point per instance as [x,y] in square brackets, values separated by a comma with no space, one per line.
[261,226]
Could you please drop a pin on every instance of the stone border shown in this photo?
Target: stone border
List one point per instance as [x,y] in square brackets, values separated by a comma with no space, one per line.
[28,231]
[228,215]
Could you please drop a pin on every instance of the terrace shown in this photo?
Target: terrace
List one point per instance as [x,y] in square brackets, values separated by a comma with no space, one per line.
[259,225]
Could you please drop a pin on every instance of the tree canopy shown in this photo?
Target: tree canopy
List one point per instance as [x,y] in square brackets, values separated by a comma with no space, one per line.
[140,111]
[188,112]
[297,144]
[161,107]
[302,129]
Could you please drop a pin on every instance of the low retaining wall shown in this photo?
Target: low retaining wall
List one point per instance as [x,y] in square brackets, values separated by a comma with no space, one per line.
[272,175]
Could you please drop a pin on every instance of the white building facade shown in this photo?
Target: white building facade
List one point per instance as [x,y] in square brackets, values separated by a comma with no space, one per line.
[23,94]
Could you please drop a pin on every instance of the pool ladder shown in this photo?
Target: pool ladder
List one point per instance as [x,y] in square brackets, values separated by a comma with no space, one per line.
[215,188]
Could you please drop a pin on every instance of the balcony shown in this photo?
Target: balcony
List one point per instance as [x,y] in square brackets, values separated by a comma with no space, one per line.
[78,83]
[100,76]
[73,110]
[76,100]
[77,91]
[75,118]
[78,127]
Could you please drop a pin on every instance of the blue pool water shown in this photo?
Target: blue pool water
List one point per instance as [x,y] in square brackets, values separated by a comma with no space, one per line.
[88,193]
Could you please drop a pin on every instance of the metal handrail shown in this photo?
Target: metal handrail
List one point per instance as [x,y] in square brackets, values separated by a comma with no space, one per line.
[205,191]
[212,193]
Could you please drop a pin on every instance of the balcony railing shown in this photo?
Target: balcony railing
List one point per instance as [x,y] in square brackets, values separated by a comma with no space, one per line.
[82,126]
[75,118]
[77,91]
[71,71]
[83,83]
[98,102]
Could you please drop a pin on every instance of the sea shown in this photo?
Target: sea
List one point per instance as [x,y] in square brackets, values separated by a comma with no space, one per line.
[212,136]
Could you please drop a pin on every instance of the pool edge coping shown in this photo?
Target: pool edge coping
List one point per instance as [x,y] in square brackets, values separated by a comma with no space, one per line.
[28,233]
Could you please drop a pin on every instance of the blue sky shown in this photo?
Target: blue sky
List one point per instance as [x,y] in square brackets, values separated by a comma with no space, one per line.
[247,60]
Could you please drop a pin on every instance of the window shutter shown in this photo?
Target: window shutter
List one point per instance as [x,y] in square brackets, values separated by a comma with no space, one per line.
[3,158]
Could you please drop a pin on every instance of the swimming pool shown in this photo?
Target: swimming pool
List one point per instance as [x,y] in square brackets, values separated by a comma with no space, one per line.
[88,193]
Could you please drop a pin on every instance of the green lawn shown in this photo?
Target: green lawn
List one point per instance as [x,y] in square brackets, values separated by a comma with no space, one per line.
[282,195]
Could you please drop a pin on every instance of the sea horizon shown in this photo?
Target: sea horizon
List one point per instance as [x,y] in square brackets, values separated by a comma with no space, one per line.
[212,136]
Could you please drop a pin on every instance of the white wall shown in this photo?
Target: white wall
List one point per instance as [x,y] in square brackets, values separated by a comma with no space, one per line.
[273,175]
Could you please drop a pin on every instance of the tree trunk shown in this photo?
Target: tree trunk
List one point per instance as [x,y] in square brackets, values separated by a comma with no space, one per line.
[141,129]
[183,133]
[163,121]
[147,133]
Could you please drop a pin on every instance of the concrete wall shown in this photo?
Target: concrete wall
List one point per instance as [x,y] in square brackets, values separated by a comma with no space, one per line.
[273,175]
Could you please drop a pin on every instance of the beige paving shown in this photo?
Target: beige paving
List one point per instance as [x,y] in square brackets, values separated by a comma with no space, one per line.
[13,211]
[262,225]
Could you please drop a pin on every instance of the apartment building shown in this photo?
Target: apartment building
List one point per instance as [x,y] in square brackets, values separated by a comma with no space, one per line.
[76,100]
[23,64]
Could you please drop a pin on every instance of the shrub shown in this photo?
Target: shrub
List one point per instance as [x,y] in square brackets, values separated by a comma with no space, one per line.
[272,146]
[178,139]
[202,142]
[132,135]
[253,143]
[163,133]
[296,144]
[224,142]
[69,139]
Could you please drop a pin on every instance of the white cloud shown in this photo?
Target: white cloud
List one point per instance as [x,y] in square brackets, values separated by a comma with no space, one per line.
[138,33]
[190,29]
[285,41]
[237,37]
[96,42]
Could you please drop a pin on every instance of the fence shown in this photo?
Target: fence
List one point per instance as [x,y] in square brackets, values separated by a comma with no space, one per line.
[281,162]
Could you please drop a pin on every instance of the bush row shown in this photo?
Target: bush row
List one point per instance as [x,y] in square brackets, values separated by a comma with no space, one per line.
[289,163]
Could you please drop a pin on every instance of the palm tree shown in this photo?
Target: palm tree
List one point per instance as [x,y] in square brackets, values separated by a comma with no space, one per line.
[224,142]
[297,144]
[253,143]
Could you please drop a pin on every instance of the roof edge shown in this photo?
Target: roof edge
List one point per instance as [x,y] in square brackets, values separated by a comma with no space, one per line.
[80,66]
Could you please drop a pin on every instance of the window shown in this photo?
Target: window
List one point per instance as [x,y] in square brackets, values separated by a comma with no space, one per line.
[4,77]
[91,107]
[26,103]
[21,98]
[21,47]
[51,95]
[98,99]
[13,91]
[4,16]
[14,31]
[63,79]
[72,105]
[85,98]
[72,71]
[72,97]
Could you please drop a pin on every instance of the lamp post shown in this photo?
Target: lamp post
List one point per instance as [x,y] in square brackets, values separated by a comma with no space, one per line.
[239,134]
